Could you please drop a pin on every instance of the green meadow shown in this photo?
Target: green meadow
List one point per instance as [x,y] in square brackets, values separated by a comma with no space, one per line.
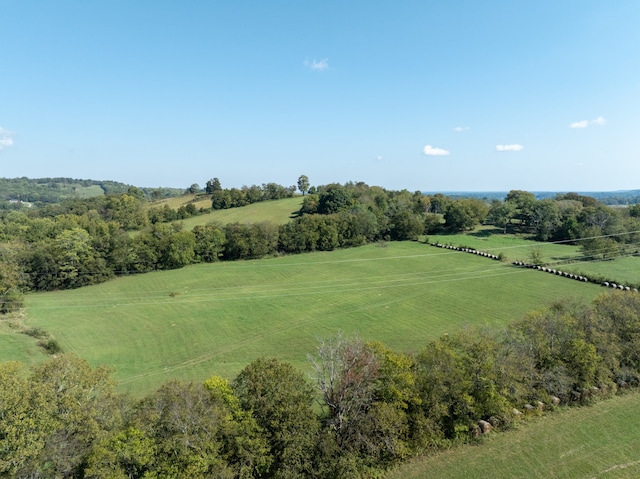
[274,211]
[595,442]
[215,318]
[625,269]
[513,247]
[17,347]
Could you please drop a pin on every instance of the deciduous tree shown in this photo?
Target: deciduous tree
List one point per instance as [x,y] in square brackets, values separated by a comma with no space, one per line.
[303,184]
[281,401]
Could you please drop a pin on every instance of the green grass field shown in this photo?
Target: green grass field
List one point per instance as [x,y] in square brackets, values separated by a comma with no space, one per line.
[88,191]
[17,347]
[566,257]
[596,442]
[513,247]
[215,318]
[175,202]
[275,211]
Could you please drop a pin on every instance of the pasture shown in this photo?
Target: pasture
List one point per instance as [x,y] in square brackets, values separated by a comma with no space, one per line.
[15,346]
[215,318]
[598,442]
[274,211]
[513,247]
[625,269]
[175,202]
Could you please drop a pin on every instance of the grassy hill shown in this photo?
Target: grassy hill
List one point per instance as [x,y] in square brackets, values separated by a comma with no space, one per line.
[598,442]
[199,200]
[274,211]
[215,318]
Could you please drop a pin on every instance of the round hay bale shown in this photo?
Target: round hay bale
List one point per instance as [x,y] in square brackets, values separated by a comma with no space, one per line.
[485,426]
[606,284]
[614,285]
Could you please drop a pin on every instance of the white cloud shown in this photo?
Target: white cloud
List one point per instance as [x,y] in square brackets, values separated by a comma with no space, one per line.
[6,138]
[585,123]
[515,147]
[433,151]
[317,65]
[461,128]
[579,124]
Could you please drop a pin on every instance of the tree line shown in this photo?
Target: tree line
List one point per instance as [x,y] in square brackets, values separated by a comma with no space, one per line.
[363,409]
[81,242]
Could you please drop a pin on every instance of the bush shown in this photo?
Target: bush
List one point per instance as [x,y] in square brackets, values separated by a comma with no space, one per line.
[51,346]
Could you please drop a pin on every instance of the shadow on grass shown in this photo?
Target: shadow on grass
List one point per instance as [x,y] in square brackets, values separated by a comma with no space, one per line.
[486,233]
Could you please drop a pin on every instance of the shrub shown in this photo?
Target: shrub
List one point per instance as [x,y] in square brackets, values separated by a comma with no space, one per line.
[50,345]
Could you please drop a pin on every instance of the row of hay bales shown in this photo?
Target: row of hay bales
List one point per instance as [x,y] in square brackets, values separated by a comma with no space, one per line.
[538,407]
[544,269]
[466,250]
[577,277]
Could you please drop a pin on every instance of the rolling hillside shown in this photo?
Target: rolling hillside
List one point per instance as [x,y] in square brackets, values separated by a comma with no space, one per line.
[215,318]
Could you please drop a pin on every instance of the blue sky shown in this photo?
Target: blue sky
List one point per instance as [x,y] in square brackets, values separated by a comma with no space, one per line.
[422,95]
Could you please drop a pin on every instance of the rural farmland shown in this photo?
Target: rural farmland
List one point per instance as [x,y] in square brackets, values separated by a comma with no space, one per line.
[215,318]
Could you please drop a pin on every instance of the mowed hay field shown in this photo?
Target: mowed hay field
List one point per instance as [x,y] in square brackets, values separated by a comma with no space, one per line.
[18,347]
[215,318]
[569,258]
[275,211]
[595,442]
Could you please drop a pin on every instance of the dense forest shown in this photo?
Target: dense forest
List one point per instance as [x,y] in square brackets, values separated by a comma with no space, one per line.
[85,241]
[365,408]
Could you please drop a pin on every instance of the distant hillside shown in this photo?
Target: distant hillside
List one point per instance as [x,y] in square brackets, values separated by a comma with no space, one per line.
[621,197]
[55,190]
